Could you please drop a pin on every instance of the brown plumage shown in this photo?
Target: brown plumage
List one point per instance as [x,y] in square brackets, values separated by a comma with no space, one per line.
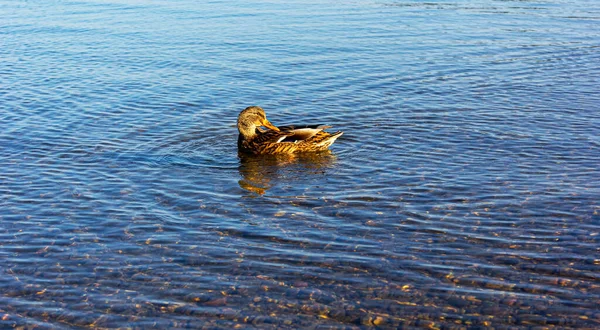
[278,140]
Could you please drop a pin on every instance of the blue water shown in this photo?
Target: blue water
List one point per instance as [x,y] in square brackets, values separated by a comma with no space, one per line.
[463,193]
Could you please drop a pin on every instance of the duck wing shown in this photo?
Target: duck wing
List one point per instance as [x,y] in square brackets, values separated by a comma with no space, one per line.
[271,136]
[297,133]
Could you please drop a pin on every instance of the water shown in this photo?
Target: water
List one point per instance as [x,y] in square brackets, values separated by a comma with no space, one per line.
[464,192]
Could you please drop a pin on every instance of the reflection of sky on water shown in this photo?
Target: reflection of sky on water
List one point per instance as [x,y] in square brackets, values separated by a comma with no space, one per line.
[462,194]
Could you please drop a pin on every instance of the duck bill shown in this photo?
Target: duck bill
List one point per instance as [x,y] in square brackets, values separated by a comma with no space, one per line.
[268,125]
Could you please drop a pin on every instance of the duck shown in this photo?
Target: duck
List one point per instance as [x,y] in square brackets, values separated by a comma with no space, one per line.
[271,140]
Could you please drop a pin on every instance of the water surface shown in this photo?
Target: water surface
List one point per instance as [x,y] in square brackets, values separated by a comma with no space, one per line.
[464,192]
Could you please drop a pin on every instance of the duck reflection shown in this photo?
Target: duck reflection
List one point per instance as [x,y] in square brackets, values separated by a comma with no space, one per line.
[262,172]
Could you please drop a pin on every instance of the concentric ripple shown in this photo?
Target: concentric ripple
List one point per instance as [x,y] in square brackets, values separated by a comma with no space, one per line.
[463,194]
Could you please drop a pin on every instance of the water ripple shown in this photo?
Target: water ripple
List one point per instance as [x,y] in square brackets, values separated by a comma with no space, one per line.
[462,194]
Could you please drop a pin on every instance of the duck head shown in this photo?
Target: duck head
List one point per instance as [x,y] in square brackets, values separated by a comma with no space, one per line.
[251,118]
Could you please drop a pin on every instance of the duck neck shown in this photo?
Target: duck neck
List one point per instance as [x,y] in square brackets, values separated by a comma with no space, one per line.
[248,131]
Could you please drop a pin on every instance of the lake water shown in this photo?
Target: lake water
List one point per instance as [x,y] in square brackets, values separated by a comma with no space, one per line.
[465,191]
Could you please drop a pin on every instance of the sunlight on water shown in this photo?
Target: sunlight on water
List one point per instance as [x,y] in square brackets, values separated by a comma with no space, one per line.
[463,193]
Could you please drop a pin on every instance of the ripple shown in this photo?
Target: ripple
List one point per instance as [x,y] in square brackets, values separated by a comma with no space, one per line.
[462,194]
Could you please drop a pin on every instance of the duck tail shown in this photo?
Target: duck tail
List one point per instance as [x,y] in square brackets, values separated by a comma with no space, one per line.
[325,143]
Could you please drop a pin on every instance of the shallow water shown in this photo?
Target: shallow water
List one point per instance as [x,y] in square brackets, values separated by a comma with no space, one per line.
[464,191]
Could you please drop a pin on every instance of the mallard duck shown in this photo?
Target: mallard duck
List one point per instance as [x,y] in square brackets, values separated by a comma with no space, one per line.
[279,140]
